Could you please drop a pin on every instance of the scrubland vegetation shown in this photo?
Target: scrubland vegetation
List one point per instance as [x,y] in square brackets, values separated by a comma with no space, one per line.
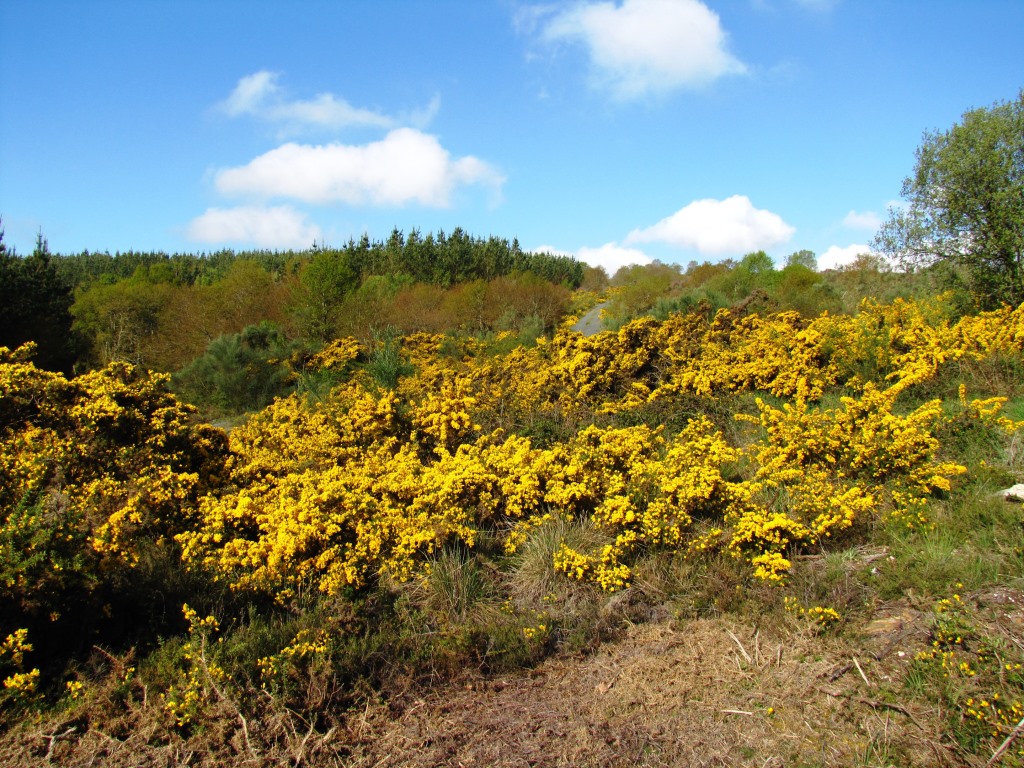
[755,521]
[426,504]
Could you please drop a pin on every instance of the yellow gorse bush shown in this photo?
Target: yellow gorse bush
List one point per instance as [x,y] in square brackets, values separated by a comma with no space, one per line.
[114,442]
[96,473]
[199,680]
[330,494]
[18,687]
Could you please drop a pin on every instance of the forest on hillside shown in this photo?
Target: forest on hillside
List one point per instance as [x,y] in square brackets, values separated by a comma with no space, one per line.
[237,329]
[162,311]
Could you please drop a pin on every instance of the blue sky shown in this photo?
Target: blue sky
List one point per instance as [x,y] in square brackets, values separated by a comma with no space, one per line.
[616,131]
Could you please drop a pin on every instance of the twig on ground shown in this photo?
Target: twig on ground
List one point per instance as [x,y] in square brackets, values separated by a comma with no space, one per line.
[1017,731]
[245,733]
[54,738]
[300,754]
[862,675]
[873,704]
[837,673]
[740,646]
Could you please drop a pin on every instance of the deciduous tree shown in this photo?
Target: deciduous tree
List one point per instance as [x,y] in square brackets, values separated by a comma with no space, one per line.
[966,203]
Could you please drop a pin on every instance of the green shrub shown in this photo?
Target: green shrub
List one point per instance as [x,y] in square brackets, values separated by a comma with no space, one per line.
[241,372]
[387,365]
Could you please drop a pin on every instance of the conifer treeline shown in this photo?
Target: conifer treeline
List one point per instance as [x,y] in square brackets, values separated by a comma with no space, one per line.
[161,310]
[440,259]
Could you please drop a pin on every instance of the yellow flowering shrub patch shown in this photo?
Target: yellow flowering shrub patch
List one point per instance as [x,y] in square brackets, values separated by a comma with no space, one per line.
[327,495]
[304,646]
[94,471]
[18,687]
[645,493]
[820,471]
[338,355]
[443,418]
[199,678]
[371,481]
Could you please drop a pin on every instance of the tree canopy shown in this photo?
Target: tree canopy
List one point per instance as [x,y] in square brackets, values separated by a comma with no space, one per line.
[966,204]
[34,303]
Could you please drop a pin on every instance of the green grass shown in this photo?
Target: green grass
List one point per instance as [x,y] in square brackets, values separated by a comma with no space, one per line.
[975,538]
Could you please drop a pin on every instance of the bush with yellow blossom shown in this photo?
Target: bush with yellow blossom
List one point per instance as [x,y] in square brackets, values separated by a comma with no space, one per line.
[97,475]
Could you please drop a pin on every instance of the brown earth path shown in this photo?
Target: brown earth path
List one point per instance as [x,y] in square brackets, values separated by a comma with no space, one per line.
[711,693]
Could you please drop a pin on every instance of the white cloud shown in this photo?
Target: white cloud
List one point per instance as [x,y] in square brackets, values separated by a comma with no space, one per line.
[259,95]
[718,227]
[647,46]
[837,256]
[611,256]
[250,93]
[278,227]
[866,220]
[552,250]
[406,166]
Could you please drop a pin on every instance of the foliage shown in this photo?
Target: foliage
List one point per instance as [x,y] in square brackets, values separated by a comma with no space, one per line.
[386,364]
[121,319]
[97,474]
[199,678]
[241,372]
[966,203]
[34,306]
[19,690]
[162,311]
[326,279]
[373,481]
[638,287]
[468,497]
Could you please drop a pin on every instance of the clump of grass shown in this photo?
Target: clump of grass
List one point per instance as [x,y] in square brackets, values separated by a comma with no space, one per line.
[456,586]
[836,579]
[704,586]
[569,609]
[533,580]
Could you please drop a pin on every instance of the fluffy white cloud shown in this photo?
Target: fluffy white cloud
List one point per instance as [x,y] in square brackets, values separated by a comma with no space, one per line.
[718,227]
[260,95]
[866,220]
[838,256]
[251,92]
[648,46]
[552,250]
[277,227]
[406,166]
[611,256]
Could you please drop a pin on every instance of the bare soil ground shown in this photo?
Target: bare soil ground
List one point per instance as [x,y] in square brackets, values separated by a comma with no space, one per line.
[705,692]
[711,693]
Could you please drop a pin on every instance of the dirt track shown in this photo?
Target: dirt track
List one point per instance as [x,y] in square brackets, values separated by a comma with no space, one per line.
[712,694]
[590,324]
